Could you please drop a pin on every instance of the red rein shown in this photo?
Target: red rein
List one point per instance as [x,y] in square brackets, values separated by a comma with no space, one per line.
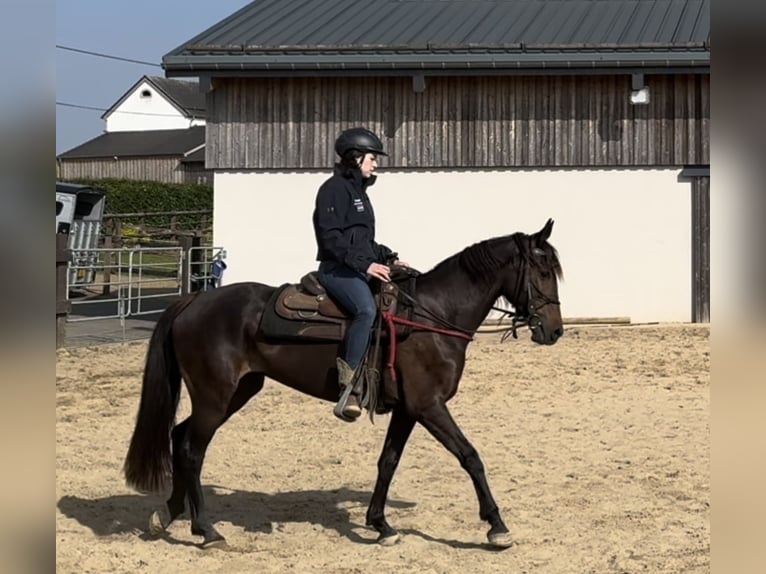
[391,321]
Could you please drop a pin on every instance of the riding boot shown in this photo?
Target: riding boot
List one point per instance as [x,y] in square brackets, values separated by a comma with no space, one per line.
[347,376]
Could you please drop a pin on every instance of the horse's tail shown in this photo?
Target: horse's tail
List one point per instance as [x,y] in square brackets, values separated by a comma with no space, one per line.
[149,463]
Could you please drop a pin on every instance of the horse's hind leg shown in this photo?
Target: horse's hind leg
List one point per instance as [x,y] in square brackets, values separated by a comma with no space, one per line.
[248,387]
[399,430]
[202,427]
[176,502]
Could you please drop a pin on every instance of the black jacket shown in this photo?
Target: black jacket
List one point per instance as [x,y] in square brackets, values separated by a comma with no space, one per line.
[344,222]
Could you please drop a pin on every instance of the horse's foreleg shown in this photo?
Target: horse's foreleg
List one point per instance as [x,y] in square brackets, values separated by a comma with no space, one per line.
[439,422]
[399,430]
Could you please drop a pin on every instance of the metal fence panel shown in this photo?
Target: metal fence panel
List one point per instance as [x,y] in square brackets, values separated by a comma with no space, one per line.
[133,282]
[126,282]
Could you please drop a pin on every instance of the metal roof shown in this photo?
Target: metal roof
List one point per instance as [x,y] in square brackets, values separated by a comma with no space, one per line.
[150,143]
[185,95]
[379,36]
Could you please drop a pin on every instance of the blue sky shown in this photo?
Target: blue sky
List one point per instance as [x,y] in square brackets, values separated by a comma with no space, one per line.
[140,30]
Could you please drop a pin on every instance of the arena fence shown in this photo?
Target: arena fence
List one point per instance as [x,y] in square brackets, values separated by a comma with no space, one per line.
[129,282]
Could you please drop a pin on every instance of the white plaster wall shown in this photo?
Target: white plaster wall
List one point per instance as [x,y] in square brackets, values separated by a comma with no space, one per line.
[154,113]
[624,236]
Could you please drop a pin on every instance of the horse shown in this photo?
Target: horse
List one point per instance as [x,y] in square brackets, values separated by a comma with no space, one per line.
[212,341]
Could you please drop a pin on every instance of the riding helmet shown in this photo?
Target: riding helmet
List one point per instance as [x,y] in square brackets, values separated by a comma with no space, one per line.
[360,139]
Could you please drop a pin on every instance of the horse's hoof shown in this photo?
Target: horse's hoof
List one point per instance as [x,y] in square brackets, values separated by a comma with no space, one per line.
[219,543]
[156,528]
[389,540]
[344,416]
[500,539]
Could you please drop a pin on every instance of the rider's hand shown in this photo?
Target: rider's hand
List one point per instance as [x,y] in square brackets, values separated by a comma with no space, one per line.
[379,271]
[400,263]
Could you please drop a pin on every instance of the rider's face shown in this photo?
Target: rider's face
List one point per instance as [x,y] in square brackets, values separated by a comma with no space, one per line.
[368,164]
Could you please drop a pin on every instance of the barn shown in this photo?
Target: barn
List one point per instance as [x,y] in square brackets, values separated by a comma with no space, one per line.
[153,132]
[496,115]
[170,156]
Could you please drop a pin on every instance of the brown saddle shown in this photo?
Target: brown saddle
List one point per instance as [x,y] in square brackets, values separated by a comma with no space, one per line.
[306,311]
[308,301]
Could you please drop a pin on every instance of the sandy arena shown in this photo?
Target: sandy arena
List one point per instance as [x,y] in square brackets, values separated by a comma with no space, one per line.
[596,450]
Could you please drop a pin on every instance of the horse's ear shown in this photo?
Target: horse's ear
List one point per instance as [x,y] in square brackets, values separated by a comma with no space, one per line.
[545,232]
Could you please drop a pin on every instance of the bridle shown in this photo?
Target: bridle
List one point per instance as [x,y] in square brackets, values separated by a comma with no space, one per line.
[530,319]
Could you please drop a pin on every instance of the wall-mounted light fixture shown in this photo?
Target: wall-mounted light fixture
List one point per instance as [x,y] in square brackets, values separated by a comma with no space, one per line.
[640,91]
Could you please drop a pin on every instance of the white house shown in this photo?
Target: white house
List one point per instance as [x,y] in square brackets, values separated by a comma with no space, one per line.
[157,103]
[154,132]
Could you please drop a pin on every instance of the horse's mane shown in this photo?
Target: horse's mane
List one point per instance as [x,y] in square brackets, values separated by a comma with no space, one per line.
[482,260]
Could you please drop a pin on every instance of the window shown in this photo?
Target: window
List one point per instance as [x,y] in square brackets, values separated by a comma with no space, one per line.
[146,93]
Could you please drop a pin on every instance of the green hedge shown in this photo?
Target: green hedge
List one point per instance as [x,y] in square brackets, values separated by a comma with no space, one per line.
[129,196]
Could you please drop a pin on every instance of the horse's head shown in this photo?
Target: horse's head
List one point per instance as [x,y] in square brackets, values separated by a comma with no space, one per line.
[533,288]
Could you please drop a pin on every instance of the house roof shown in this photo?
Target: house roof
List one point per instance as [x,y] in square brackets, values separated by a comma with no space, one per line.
[150,143]
[280,37]
[184,95]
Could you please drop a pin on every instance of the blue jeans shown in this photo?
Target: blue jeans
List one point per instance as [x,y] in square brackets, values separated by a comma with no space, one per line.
[350,289]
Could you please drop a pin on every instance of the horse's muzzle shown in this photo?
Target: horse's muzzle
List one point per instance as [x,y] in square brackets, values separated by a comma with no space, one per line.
[545,336]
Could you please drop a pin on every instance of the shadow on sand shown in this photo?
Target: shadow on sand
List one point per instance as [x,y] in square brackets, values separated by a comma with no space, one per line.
[252,511]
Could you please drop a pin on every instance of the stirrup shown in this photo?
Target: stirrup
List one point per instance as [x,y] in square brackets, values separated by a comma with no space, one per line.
[340,406]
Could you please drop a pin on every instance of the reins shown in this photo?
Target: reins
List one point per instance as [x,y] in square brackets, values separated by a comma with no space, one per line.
[461,330]
[453,330]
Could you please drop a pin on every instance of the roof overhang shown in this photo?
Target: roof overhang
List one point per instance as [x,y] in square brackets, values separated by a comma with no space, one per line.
[433,60]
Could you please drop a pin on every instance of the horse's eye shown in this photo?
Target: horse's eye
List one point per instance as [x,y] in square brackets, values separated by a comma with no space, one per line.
[537,251]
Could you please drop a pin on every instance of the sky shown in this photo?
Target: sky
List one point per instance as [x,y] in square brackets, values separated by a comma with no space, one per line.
[142,30]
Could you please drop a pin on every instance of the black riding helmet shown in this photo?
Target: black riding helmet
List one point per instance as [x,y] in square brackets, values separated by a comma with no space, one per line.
[360,139]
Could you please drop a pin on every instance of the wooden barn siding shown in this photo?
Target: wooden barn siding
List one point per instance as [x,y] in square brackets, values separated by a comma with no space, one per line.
[546,121]
[166,170]
[196,173]
[701,249]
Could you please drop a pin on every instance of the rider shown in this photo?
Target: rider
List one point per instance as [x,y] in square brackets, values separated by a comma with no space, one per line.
[344,226]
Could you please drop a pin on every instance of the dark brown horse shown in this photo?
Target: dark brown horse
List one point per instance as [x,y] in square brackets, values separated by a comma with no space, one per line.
[212,341]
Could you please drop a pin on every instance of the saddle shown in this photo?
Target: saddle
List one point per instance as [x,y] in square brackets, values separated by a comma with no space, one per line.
[305,311]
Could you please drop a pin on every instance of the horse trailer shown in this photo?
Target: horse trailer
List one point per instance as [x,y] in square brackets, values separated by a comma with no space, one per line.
[79,213]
